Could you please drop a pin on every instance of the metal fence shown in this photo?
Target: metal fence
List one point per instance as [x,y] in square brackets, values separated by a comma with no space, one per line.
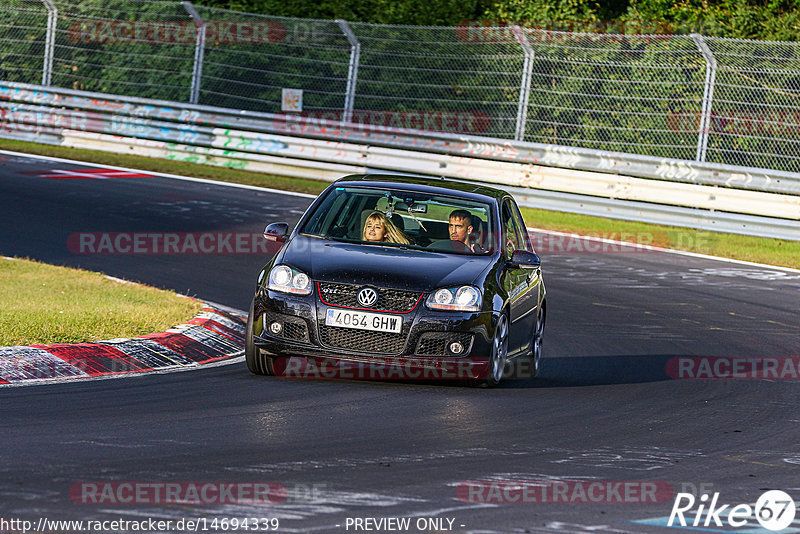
[680,96]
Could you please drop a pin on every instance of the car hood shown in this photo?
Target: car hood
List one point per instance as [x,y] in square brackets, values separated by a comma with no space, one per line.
[352,263]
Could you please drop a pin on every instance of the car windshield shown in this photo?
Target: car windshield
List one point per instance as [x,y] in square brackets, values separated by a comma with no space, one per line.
[400,218]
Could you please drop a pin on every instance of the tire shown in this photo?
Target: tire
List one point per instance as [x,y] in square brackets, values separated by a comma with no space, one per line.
[536,348]
[257,362]
[499,355]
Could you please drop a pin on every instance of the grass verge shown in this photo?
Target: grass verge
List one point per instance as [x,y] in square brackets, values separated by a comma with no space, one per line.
[755,249]
[740,247]
[48,304]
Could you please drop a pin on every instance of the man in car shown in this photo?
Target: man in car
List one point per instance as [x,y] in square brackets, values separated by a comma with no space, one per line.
[460,229]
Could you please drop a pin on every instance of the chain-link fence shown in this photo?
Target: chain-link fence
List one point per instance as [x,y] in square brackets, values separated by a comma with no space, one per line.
[615,92]
[678,96]
[755,104]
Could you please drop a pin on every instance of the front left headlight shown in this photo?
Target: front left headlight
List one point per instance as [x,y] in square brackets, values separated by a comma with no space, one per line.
[285,279]
[464,298]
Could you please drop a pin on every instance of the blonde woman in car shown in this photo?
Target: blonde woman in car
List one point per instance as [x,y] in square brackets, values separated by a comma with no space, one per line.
[378,227]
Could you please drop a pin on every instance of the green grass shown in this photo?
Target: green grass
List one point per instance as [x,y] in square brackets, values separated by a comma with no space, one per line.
[43,303]
[755,249]
[747,248]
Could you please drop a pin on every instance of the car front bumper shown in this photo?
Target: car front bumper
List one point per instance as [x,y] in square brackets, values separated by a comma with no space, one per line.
[420,351]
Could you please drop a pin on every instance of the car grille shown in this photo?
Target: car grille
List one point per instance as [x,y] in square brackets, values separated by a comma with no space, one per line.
[436,343]
[362,340]
[294,328]
[390,300]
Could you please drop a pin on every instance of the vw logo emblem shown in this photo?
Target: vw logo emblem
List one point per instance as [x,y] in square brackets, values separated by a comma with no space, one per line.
[367,297]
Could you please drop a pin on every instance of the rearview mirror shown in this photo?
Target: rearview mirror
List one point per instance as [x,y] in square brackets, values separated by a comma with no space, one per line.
[525,259]
[277,232]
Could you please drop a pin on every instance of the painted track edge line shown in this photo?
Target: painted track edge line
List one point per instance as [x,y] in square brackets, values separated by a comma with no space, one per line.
[235,358]
[212,337]
[159,174]
[306,195]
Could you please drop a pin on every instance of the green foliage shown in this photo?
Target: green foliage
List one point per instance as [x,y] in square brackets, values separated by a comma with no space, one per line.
[625,93]
[742,19]
[416,12]
[746,19]
[542,11]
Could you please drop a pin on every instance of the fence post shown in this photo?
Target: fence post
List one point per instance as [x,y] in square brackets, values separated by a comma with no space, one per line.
[352,71]
[199,51]
[708,95]
[525,83]
[50,41]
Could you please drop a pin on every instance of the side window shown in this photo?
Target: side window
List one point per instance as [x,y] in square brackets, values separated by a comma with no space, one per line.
[525,242]
[511,239]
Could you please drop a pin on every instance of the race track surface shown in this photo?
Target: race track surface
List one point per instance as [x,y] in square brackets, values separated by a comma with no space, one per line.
[605,410]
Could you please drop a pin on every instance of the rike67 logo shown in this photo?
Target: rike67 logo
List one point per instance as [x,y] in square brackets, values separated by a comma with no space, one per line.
[774,510]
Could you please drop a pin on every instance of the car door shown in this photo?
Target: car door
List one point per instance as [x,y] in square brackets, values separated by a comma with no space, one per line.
[521,285]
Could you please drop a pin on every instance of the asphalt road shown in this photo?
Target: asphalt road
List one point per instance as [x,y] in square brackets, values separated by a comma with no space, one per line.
[605,409]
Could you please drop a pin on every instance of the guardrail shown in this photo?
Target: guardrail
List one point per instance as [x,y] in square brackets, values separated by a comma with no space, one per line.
[297,146]
[687,96]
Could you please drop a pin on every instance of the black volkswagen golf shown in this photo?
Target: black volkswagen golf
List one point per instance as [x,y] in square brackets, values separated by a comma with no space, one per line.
[400,277]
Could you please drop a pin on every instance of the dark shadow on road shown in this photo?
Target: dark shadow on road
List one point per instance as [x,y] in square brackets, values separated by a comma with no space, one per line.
[579,371]
[576,371]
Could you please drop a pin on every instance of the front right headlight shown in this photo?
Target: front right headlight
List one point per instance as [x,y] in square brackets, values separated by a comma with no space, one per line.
[285,279]
[464,298]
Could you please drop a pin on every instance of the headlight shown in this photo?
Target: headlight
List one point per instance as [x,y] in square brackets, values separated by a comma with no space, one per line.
[284,279]
[464,298]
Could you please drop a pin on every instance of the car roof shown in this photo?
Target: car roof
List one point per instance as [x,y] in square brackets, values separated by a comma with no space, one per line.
[444,186]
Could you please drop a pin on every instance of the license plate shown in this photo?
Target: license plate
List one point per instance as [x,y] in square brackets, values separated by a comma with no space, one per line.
[364,321]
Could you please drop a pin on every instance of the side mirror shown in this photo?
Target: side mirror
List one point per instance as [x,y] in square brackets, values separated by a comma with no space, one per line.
[525,259]
[277,232]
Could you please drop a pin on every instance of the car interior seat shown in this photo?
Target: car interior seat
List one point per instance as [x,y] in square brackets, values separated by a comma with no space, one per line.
[479,233]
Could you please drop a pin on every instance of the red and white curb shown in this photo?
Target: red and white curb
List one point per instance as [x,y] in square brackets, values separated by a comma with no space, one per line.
[212,336]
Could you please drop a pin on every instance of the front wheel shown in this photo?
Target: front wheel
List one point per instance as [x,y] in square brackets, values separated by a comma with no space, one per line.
[499,355]
[536,348]
[257,362]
